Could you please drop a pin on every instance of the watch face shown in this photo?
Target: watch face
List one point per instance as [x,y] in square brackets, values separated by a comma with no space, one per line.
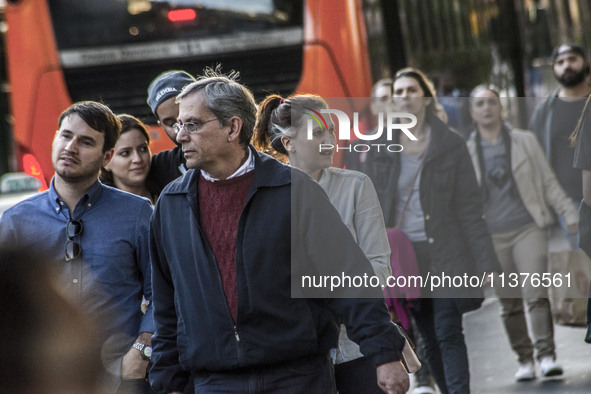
[147,351]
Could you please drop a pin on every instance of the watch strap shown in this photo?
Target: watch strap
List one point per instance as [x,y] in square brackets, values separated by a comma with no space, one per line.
[139,346]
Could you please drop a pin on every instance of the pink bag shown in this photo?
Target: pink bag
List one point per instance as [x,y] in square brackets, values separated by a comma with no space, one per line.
[404,265]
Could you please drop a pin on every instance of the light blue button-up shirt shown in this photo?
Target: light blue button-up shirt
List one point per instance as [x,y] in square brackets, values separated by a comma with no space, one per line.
[113,270]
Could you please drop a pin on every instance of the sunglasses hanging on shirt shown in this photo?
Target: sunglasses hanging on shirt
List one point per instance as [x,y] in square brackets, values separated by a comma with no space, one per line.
[73,248]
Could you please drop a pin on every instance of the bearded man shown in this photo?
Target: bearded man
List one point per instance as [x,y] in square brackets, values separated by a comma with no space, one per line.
[556,117]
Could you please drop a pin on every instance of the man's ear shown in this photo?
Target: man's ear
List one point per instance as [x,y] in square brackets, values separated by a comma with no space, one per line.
[107,157]
[287,144]
[235,128]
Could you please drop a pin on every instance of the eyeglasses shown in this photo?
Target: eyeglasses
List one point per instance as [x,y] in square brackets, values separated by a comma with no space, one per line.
[190,127]
[73,248]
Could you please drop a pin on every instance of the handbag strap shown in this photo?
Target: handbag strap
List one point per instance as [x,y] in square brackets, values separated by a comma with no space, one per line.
[412,185]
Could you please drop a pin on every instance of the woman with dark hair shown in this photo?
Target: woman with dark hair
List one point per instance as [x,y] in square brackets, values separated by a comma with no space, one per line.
[129,167]
[431,184]
[520,193]
[280,131]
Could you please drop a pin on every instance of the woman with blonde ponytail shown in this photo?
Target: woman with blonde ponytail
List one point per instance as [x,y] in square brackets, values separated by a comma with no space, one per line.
[281,132]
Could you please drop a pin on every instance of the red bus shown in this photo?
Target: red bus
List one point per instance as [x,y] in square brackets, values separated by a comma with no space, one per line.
[62,51]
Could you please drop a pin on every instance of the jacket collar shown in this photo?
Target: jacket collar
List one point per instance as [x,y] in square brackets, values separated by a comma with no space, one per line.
[513,144]
[442,138]
[268,172]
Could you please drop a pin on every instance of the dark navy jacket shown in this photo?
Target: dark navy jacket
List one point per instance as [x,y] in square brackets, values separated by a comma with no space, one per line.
[193,322]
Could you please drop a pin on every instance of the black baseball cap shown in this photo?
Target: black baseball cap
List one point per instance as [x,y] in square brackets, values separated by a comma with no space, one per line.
[568,47]
[166,85]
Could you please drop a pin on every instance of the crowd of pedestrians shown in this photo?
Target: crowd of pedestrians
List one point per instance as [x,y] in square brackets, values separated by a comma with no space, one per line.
[183,268]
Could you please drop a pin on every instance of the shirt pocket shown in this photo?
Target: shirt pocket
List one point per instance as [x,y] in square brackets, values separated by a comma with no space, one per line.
[113,263]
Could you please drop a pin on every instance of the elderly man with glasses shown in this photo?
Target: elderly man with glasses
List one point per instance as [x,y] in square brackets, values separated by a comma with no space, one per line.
[97,239]
[226,240]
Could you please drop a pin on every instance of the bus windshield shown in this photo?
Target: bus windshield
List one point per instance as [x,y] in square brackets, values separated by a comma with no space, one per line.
[110,50]
[64,51]
[114,22]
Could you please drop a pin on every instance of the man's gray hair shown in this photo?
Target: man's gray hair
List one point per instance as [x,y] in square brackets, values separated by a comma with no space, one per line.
[225,98]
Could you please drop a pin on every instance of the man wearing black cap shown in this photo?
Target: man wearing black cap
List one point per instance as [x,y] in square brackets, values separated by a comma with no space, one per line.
[162,92]
[554,121]
[556,118]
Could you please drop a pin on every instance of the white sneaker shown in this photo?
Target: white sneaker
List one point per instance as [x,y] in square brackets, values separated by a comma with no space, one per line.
[548,367]
[525,372]
[424,390]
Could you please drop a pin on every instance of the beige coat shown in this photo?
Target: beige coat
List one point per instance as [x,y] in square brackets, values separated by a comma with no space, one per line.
[536,182]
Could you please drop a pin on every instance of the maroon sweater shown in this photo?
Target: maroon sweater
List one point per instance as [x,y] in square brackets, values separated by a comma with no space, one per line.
[220,206]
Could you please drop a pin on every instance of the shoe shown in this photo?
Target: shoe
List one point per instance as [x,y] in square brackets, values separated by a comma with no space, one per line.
[424,390]
[525,372]
[588,334]
[548,367]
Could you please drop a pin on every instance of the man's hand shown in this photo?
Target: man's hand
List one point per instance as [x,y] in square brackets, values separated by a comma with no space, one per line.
[133,365]
[392,378]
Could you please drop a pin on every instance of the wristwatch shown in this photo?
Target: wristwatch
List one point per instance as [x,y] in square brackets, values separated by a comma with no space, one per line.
[145,350]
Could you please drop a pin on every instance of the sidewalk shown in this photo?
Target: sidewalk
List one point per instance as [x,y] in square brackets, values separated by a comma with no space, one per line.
[493,363]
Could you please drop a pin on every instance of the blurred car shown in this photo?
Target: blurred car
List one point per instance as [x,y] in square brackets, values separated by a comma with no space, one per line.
[15,187]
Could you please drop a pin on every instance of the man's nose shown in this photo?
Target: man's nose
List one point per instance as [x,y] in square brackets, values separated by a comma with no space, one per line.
[72,145]
[181,135]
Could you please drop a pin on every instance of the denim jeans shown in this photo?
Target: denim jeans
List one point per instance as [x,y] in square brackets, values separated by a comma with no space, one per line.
[440,323]
[313,375]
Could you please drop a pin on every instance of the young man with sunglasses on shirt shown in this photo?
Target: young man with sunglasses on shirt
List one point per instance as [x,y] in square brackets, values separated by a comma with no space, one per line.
[97,238]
